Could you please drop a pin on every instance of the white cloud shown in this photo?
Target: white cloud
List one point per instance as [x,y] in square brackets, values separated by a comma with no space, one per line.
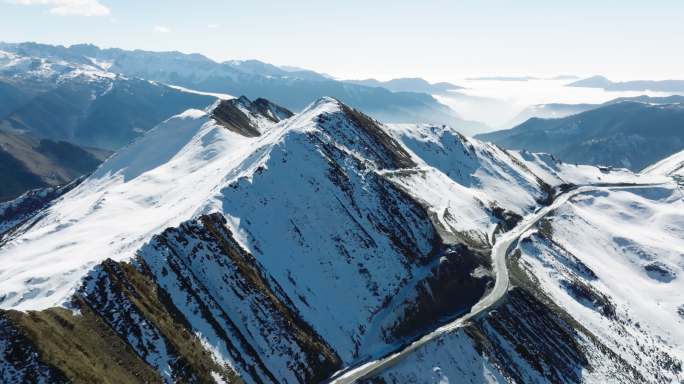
[213,26]
[162,29]
[70,7]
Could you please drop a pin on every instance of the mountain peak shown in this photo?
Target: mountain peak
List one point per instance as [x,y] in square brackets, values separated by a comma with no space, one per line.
[356,131]
[248,118]
[325,101]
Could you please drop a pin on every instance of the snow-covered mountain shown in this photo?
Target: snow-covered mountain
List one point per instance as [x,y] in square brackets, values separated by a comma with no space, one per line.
[670,166]
[80,101]
[246,243]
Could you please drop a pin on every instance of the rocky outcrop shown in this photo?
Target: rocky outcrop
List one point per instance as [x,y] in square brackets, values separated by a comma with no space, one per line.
[120,327]
[271,111]
[19,358]
[242,115]
[235,304]
[231,117]
[458,279]
[379,141]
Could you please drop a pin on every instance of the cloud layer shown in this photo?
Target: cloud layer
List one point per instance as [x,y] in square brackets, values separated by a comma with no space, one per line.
[70,7]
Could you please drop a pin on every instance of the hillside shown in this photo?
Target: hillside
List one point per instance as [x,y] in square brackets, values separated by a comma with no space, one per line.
[560,110]
[587,281]
[622,134]
[672,166]
[28,163]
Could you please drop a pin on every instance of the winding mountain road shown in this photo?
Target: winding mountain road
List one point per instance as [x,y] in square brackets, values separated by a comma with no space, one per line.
[499,252]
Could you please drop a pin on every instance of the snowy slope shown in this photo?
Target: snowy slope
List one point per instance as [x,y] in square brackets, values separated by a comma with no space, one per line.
[454,359]
[134,195]
[486,170]
[630,244]
[596,297]
[483,174]
[556,172]
[291,246]
[670,166]
[319,199]
[17,66]
[15,212]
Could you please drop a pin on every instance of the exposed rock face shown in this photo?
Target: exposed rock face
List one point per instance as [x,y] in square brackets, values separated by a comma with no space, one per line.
[457,280]
[528,339]
[239,308]
[118,329]
[272,111]
[231,117]
[19,359]
[533,342]
[379,140]
[244,117]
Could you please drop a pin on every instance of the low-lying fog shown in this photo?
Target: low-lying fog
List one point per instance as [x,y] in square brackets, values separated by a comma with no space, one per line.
[497,102]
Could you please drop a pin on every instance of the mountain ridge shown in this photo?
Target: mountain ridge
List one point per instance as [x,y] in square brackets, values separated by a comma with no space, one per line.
[409,84]
[294,90]
[221,256]
[560,110]
[615,134]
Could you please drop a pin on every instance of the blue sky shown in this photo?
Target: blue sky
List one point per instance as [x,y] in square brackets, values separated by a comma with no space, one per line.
[435,39]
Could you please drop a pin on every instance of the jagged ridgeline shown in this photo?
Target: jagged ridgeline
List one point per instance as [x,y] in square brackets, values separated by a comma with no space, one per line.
[245,243]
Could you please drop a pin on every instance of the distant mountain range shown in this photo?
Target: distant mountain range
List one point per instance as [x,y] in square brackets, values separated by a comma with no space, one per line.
[413,84]
[633,85]
[292,87]
[548,111]
[79,102]
[630,133]
[559,110]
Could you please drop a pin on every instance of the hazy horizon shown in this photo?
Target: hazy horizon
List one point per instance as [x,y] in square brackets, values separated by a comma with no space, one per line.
[438,40]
